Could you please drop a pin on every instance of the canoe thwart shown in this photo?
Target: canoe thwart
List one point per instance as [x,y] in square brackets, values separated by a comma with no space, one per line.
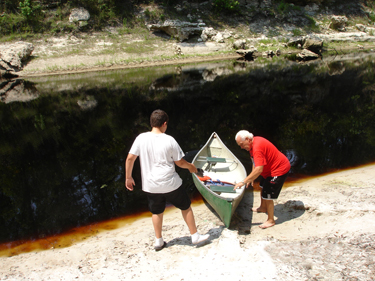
[212,159]
[216,160]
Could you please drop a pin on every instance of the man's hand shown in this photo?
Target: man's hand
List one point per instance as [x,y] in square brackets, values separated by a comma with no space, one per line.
[129,183]
[238,185]
[241,183]
[129,164]
[192,168]
[250,178]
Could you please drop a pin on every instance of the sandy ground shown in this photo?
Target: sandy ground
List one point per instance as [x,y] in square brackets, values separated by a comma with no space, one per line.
[325,230]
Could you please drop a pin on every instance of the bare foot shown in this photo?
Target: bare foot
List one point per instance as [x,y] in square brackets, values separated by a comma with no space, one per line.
[259,210]
[267,224]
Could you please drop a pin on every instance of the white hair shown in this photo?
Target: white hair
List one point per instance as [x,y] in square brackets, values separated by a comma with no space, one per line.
[243,134]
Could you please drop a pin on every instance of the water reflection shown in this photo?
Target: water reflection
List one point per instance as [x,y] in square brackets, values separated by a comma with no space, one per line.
[63,147]
[17,90]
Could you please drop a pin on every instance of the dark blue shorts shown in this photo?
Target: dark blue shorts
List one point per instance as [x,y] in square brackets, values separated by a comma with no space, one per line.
[178,198]
[271,186]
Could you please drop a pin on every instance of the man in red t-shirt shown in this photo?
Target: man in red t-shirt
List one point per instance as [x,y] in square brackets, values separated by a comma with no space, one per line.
[271,165]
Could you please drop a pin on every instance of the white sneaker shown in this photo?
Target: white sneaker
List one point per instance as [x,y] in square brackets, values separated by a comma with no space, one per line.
[159,244]
[197,238]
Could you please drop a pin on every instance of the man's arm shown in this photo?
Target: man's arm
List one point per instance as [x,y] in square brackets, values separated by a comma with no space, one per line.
[186,165]
[255,173]
[129,164]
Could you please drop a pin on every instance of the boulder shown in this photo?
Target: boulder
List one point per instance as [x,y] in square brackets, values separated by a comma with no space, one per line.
[79,14]
[219,38]
[178,29]
[239,44]
[12,56]
[295,41]
[248,54]
[307,55]
[208,33]
[313,43]
[338,23]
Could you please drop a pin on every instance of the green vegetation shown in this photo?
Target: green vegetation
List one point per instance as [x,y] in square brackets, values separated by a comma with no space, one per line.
[31,16]
[29,9]
[312,24]
[154,15]
[297,32]
[229,6]
[372,17]
[283,8]
[32,20]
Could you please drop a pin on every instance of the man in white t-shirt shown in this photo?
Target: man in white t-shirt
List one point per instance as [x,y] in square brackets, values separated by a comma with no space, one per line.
[158,154]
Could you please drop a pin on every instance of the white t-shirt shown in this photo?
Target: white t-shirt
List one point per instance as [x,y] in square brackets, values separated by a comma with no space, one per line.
[157,153]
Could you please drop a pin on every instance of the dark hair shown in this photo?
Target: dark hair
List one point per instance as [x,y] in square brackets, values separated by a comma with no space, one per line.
[158,117]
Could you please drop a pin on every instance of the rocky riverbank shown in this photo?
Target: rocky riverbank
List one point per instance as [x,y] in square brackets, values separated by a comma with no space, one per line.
[191,35]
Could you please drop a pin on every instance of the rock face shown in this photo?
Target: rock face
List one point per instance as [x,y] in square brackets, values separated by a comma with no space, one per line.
[180,30]
[12,56]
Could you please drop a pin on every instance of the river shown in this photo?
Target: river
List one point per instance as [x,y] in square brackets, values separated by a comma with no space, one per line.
[63,146]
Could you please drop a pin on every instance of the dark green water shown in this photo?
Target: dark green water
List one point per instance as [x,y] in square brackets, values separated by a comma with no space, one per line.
[62,152]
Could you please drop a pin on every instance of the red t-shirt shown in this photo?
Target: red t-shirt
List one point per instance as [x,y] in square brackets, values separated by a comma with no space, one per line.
[265,154]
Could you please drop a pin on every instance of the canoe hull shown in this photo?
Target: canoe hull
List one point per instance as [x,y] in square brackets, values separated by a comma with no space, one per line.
[231,170]
[224,208]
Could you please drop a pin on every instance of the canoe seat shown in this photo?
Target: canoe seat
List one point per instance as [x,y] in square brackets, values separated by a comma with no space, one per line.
[222,188]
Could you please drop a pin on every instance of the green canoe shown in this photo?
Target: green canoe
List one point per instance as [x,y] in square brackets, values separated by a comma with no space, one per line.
[219,163]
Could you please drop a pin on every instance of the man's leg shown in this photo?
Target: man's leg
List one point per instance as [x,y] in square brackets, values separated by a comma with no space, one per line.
[270,211]
[188,216]
[189,219]
[262,208]
[181,200]
[271,190]
[157,221]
